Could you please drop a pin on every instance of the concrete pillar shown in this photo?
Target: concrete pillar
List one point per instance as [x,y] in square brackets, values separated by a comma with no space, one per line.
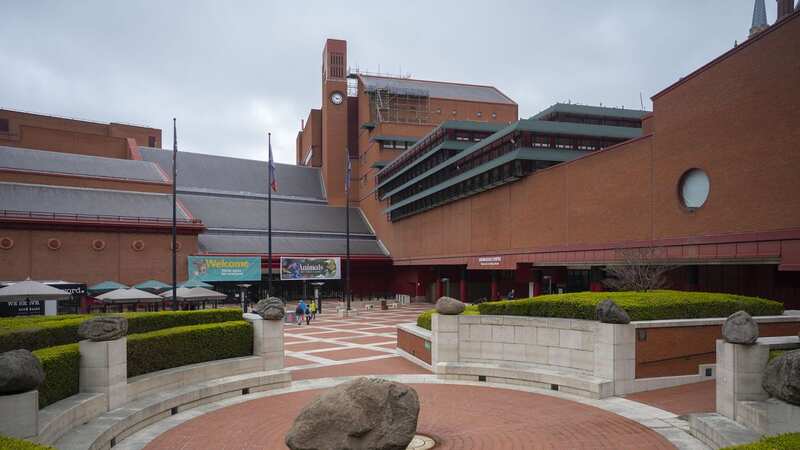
[267,340]
[740,370]
[19,414]
[444,339]
[104,368]
[615,355]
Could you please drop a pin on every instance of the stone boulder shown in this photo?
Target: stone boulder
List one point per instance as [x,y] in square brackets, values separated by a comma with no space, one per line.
[364,414]
[106,328]
[782,377]
[20,371]
[740,328]
[271,308]
[609,312]
[449,306]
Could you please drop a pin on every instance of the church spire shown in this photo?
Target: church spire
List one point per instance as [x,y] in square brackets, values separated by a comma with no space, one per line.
[759,18]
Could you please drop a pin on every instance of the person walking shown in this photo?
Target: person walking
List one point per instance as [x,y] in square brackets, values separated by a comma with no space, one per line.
[300,312]
[313,308]
[308,315]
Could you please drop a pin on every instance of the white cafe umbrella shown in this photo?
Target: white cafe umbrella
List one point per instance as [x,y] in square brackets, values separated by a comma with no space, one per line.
[31,290]
[182,293]
[203,294]
[131,295]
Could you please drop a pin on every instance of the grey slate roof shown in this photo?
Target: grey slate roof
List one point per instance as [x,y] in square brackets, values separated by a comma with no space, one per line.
[436,89]
[70,200]
[220,174]
[587,110]
[251,213]
[67,163]
[248,243]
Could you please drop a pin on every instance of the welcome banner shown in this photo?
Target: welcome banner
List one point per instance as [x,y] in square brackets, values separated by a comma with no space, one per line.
[311,268]
[224,268]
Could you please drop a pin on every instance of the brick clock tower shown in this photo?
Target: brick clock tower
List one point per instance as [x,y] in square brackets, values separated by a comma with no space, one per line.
[334,120]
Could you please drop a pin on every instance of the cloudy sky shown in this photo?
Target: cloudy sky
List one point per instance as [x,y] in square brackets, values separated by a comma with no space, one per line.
[229,71]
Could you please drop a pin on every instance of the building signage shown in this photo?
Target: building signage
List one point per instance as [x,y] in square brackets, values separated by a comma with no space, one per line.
[490,260]
[311,268]
[22,308]
[225,268]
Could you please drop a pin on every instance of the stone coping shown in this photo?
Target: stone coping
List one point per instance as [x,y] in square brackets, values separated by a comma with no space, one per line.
[412,328]
[716,430]
[105,430]
[780,342]
[63,415]
[669,425]
[709,321]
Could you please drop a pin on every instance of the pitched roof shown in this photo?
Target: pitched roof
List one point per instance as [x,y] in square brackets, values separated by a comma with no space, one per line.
[251,214]
[257,243]
[85,201]
[199,172]
[68,163]
[436,89]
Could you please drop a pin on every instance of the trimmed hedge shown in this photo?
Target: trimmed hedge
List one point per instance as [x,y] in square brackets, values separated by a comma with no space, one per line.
[8,443]
[61,368]
[653,305]
[788,441]
[180,346]
[424,320]
[48,331]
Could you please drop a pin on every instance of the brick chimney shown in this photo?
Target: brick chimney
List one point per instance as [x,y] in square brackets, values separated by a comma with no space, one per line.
[785,8]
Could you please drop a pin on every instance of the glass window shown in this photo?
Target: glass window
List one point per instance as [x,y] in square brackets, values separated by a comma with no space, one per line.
[694,188]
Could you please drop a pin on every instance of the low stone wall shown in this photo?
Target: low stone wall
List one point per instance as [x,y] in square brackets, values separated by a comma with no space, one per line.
[415,343]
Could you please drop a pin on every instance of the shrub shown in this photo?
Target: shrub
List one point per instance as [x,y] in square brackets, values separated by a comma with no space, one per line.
[788,441]
[61,368]
[8,443]
[654,305]
[424,320]
[48,331]
[179,346]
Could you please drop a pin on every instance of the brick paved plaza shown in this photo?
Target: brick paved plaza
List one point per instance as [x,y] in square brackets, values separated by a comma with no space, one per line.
[457,415]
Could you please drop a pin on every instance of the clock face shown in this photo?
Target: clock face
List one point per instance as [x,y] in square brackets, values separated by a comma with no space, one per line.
[337,98]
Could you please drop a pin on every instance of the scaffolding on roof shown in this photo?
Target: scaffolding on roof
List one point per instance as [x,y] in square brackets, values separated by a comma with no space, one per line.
[400,105]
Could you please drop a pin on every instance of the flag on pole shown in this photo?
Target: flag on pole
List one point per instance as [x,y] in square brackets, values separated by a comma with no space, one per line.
[273,180]
[347,176]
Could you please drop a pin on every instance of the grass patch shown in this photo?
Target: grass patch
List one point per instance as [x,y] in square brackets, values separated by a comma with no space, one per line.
[788,441]
[8,443]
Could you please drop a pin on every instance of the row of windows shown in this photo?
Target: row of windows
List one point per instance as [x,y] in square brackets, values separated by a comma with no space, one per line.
[593,120]
[396,145]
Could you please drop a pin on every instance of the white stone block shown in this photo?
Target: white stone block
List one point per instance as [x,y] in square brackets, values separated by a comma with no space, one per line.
[19,414]
[470,350]
[569,339]
[104,369]
[584,325]
[565,324]
[624,334]
[514,352]
[558,357]
[587,341]
[516,321]
[492,350]
[582,360]
[547,336]
[469,320]
[536,354]
[482,333]
[463,332]
[491,320]
[445,323]
[525,335]
[624,369]
[503,333]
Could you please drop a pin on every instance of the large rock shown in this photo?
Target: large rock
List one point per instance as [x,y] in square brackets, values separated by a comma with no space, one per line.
[106,328]
[364,414]
[270,308]
[20,371]
[782,377]
[609,312]
[740,328]
[449,306]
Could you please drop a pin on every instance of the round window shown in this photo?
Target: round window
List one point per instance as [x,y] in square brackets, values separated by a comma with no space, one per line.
[694,188]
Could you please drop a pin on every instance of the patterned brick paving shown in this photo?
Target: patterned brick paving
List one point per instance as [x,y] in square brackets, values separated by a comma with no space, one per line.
[458,417]
[681,400]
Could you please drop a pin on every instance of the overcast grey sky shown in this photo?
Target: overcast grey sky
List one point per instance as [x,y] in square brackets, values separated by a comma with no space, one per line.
[229,71]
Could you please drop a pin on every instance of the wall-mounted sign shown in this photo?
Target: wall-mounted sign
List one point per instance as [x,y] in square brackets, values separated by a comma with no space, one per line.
[311,268]
[22,308]
[490,260]
[225,268]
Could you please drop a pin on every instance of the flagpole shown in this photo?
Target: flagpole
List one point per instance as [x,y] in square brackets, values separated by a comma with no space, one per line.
[174,214]
[269,216]
[347,175]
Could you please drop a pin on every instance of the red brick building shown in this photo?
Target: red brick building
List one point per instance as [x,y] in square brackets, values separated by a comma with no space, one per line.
[451,192]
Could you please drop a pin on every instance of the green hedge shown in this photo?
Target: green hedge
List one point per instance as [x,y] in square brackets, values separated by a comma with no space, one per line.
[61,368]
[788,441]
[48,331]
[174,347]
[653,305]
[7,443]
[424,319]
